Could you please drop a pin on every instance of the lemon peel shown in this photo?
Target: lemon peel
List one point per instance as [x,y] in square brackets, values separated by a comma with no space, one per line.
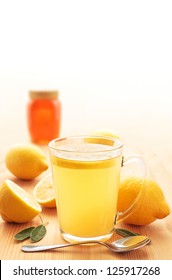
[105,132]
[44,192]
[17,205]
[26,161]
[153,205]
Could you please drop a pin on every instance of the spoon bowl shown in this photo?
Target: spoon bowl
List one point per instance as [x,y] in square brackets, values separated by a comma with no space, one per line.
[119,246]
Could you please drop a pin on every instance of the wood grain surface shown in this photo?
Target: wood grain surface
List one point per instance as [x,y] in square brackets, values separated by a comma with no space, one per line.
[159,158]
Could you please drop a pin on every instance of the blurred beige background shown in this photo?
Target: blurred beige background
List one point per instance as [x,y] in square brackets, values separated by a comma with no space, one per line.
[112,63]
[110,60]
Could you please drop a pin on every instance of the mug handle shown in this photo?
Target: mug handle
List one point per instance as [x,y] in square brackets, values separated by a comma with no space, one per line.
[121,216]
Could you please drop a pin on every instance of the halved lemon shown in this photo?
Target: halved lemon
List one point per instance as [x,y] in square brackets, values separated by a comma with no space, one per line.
[17,205]
[44,192]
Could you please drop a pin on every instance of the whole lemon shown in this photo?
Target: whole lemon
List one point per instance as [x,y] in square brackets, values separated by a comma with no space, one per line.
[26,161]
[153,205]
[17,205]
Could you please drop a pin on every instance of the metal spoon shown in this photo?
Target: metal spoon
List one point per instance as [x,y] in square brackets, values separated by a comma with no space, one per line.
[119,246]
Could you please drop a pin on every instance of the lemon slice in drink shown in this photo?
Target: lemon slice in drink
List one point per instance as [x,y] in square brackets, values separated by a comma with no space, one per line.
[17,205]
[44,192]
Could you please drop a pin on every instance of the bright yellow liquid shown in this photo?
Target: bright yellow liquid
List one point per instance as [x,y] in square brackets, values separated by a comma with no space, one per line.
[86,192]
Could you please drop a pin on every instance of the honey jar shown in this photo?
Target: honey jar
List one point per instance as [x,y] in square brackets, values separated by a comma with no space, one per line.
[44,116]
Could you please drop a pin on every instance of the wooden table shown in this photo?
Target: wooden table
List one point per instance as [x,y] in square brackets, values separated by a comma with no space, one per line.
[159,157]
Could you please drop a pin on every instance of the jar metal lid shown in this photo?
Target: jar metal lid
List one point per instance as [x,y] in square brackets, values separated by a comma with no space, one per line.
[43,94]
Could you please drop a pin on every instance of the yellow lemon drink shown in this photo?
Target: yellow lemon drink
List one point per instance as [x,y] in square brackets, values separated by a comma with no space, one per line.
[86,179]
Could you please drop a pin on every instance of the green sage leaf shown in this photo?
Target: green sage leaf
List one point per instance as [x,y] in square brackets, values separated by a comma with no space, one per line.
[38,233]
[24,234]
[125,232]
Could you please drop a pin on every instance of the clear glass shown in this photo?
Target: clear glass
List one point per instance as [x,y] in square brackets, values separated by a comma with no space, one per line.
[86,175]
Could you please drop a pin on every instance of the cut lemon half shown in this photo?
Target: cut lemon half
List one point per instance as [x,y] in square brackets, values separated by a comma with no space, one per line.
[17,205]
[44,192]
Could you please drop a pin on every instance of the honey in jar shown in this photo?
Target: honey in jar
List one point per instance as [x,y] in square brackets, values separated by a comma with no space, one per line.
[44,116]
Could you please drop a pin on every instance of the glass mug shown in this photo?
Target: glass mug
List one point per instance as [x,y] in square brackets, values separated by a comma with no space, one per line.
[86,176]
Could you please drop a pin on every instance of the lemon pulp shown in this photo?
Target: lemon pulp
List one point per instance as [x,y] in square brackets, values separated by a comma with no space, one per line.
[17,205]
[44,192]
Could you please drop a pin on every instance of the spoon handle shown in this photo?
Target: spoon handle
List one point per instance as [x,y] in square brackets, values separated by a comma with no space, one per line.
[35,248]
